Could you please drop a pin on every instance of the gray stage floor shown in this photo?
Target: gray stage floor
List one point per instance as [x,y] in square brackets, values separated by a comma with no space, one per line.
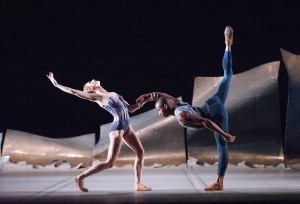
[170,184]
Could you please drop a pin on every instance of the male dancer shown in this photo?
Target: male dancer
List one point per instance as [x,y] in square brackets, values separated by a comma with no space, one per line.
[212,115]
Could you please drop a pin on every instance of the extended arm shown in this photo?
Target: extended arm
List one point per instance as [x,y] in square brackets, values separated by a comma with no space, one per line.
[187,119]
[153,96]
[132,108]
[78,93]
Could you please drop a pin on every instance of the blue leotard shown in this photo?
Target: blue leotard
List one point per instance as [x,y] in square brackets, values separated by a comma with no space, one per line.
[118,109]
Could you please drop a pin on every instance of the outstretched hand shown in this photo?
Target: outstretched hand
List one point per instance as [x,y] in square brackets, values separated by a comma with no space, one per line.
[230,138]
[153,97]
[141,100]
[51,77]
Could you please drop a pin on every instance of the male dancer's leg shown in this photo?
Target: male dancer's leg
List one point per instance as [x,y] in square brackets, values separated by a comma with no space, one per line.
[224,86]
[219,115]
[218,112]
[222,147]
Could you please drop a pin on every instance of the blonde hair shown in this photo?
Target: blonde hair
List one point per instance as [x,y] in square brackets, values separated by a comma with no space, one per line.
[85,88]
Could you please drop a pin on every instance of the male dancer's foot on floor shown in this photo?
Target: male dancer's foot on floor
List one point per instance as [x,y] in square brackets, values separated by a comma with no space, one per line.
[214,187]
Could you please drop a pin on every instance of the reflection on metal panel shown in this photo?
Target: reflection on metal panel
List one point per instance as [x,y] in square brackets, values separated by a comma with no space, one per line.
[0,143]
[1,162]
[292,127]
[254,117]
[38,150]
[162,139]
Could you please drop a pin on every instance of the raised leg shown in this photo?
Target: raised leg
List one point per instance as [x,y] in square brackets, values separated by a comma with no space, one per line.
[224,86]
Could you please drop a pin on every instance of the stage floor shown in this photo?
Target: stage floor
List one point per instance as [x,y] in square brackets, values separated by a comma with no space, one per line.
[170,184]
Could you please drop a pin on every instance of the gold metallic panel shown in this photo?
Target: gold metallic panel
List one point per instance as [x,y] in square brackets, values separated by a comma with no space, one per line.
[254,117]
[1,143]
[41,151]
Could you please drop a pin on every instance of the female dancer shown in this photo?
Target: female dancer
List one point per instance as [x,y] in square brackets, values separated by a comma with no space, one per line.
[120,129]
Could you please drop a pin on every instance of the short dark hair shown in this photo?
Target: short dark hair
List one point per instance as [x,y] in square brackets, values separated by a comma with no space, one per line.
[161,101]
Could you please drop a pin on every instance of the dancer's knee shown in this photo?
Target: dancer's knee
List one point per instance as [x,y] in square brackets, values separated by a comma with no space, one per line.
[222,148]
[110,163]
[140,154]
[228,75]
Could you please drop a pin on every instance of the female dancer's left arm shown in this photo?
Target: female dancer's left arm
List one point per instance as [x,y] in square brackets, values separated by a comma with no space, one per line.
[87,96]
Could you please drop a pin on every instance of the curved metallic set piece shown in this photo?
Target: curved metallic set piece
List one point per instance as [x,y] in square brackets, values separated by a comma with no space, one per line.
[254,117]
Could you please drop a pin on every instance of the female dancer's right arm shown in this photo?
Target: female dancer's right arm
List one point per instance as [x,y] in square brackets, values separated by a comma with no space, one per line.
[75,92]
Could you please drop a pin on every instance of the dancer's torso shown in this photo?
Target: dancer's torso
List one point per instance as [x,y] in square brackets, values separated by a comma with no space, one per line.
[116,106]
[183,106]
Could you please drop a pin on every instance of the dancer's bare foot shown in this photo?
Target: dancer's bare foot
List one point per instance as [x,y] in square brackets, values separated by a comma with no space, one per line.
[79,182]
[215,187]
[229,138]
[228,33]
[142,187]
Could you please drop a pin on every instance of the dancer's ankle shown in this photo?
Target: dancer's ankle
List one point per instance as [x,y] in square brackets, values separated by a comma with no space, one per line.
[81,176]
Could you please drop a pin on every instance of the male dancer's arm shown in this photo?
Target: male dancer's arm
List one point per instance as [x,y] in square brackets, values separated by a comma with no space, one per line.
[153,96]
[185,118]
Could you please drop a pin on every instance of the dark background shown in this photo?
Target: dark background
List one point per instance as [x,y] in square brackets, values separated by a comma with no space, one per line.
[132,47]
